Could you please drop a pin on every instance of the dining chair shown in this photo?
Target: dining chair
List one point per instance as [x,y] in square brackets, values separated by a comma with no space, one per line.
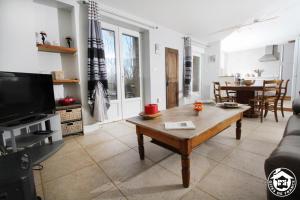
[268,100]
[218,94]
[282,97]
[231,93]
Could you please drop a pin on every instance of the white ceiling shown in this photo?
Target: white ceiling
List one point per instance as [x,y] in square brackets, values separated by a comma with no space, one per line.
[281,30]
[200,18]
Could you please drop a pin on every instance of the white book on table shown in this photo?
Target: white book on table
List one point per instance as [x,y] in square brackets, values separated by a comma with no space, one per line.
[182,125]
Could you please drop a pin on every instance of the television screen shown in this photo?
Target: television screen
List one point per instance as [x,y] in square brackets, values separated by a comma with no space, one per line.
[24,95]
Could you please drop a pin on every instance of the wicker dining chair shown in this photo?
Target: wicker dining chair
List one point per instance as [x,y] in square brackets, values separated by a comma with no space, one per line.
[282,97]
[268,100]
[231,93]
[218,94]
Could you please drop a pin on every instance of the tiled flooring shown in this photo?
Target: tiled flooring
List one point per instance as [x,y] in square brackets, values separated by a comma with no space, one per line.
[106,165]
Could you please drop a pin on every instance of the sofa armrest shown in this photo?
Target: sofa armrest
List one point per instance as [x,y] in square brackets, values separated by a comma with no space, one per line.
[285,160]
[296,106]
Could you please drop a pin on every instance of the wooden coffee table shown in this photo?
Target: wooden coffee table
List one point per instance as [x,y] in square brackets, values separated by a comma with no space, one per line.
[211,121]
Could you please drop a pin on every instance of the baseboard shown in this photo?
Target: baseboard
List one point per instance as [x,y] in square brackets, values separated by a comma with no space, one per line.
[88,129]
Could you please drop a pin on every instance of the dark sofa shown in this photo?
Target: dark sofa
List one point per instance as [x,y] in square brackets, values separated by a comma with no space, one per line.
[287,153]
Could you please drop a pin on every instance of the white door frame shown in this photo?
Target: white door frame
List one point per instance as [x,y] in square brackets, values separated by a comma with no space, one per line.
[124,100]
[117,103]
[120,102]
[197,93]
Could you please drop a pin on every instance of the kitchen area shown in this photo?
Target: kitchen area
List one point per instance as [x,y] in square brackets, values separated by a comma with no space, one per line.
[272,62]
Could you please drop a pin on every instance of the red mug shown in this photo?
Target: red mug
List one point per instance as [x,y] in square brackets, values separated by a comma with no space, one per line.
[151,109]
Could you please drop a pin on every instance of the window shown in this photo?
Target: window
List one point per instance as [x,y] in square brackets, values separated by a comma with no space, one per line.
[130,60]
[110,60]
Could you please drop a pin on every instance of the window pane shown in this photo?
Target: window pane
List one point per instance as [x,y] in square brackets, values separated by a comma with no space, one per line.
[196,73]
[110,60]
[130,58]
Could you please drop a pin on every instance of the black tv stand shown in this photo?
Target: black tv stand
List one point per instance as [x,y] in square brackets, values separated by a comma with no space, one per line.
[33,118]
[27,120]
[23,136]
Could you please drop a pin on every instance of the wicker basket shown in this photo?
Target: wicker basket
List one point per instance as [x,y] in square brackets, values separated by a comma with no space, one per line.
[71,127]
[70,114]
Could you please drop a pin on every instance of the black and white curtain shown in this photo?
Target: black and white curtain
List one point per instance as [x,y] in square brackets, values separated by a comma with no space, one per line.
[187,67]
[98,99]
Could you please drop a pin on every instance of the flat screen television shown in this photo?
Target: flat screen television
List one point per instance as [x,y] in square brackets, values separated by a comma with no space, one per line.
[25,95]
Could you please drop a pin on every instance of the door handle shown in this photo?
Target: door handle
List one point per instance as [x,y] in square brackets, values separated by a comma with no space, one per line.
[167,83]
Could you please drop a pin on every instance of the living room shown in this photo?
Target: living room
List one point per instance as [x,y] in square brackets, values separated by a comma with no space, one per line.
[111,99]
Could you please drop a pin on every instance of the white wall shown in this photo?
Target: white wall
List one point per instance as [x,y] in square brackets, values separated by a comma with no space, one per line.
[246,61]
[170,39]
[17,38]
[19,21]
[288,64]
[210,69]
[296,70]
[83,37]
[18,51]
[154,81]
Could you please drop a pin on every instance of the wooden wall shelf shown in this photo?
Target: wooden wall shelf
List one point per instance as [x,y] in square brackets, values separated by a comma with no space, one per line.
[56,49]
[66,81]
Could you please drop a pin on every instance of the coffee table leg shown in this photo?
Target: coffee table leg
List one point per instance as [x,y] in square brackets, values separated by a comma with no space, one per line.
[140,138]
[185,164]
[238,130]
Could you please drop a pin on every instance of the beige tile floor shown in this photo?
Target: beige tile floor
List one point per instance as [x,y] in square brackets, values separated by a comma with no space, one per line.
[106,165]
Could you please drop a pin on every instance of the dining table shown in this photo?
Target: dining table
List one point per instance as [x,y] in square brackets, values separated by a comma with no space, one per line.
[244,93]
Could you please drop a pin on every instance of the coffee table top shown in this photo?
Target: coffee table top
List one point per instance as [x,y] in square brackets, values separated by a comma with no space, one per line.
[207,119]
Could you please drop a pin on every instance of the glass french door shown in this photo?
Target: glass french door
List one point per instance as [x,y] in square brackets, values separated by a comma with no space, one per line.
[122,54]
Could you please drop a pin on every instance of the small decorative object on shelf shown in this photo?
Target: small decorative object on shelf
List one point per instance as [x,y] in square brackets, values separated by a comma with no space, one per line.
[43,34]
[67,101]
[198,106]
[69,39]
[58,75]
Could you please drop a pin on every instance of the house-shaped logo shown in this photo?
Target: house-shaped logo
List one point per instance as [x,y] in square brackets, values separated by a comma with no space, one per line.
[282,182]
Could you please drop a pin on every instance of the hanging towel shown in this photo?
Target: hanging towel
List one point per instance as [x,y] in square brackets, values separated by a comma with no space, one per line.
[187,67]
[97,73]
[100,111]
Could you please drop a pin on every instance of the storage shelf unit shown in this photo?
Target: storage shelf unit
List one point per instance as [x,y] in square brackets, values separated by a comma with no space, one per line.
[40,153]
[20,136]
[56,49]
[71,119]
[65,81]
[28,140]
[59,57]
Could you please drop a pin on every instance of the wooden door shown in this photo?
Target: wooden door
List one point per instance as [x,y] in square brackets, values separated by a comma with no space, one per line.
[171,57]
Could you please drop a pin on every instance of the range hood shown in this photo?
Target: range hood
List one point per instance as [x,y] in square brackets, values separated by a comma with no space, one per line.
[271,54]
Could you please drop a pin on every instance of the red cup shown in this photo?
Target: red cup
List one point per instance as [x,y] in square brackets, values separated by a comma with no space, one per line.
[151,109]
